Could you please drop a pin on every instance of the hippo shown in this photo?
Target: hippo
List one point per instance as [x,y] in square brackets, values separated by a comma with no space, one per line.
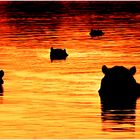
[119,89]
[1,82]
[58,54]
[94,33]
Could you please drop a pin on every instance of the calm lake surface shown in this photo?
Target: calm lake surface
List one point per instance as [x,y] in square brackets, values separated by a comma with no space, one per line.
[59,99]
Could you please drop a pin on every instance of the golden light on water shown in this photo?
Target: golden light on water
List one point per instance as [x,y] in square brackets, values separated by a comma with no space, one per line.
[59,99]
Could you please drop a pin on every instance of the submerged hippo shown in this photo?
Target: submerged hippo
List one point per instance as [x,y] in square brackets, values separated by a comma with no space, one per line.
[94,33]
[1,82]
[58,54]
[119,89]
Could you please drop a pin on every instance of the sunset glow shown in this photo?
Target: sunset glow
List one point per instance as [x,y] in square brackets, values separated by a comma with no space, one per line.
[59,99]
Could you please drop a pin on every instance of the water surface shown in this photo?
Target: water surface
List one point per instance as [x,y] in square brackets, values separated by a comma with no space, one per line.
[59,99]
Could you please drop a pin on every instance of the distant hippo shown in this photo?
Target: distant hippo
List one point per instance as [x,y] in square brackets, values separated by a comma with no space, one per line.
[94,33]
[119,89]
[1,81]
[58,54]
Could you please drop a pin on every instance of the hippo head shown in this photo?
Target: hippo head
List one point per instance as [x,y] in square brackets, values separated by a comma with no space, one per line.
[118,85]
[1,73]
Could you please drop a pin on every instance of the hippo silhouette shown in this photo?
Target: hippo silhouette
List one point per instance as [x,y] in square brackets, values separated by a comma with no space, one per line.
[1,81]
[58,54]
[94,33]
[119,89]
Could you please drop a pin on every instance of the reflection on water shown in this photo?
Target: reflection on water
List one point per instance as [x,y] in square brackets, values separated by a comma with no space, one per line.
[118,120]
[1,100]
[60,99]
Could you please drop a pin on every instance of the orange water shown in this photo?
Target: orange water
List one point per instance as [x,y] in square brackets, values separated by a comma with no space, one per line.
[60,99]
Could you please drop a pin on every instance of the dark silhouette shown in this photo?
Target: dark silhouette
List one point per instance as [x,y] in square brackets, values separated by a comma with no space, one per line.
[1,82]
[58,54]
[118,94]
[119,89]
[94,33]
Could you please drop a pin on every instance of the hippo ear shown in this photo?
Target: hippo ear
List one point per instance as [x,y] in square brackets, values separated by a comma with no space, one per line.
[105,69]
[1,73]
[133,70]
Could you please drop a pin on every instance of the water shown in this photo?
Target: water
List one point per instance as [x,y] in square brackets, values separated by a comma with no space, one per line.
[60,99]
